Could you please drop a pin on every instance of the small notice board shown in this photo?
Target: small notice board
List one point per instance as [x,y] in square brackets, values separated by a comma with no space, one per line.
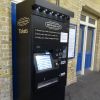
[72,41]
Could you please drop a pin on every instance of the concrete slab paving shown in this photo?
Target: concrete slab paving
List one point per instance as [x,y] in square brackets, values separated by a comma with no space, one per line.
[87,88]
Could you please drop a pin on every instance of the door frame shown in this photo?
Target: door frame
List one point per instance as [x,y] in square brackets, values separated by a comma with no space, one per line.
[87,24]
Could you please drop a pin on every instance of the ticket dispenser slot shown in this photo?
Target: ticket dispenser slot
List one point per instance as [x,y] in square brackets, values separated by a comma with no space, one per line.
[40,50]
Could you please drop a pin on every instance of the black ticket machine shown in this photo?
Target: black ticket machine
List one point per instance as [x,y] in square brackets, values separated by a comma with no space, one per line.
[40,50]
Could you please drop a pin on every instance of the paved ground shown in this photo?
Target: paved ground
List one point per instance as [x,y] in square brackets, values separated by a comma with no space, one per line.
[87,88]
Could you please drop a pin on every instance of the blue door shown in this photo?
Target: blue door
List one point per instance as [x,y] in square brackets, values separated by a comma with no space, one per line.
[88,56]
[80,49]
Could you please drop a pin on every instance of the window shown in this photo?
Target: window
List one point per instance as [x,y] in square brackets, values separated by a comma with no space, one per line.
[92,21]
[83,18]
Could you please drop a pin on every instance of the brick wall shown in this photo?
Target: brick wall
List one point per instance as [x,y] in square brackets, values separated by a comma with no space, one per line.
[5,50]
[97,46]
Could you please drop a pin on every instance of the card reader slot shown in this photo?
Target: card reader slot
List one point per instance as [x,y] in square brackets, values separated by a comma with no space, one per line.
[47,83]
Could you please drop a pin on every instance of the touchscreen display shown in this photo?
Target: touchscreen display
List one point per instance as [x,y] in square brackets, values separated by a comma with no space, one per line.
[43,62]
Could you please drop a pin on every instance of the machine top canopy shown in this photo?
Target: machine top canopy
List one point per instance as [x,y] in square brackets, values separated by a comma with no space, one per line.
[54,7]
[47,5]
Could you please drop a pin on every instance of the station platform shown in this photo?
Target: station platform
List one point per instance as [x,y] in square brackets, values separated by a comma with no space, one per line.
[87,88]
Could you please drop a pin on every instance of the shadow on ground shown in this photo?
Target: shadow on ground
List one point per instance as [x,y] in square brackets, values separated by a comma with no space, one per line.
[87,88]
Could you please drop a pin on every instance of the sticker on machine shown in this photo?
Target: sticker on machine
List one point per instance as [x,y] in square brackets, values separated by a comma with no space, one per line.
[64,37]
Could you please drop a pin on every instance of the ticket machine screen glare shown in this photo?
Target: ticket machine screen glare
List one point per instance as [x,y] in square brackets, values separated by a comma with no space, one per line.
[43,62]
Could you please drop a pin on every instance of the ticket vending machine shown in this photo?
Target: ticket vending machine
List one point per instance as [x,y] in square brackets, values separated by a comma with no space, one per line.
[40,50]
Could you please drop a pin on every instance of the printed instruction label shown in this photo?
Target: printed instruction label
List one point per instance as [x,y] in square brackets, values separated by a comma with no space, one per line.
[64,37]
